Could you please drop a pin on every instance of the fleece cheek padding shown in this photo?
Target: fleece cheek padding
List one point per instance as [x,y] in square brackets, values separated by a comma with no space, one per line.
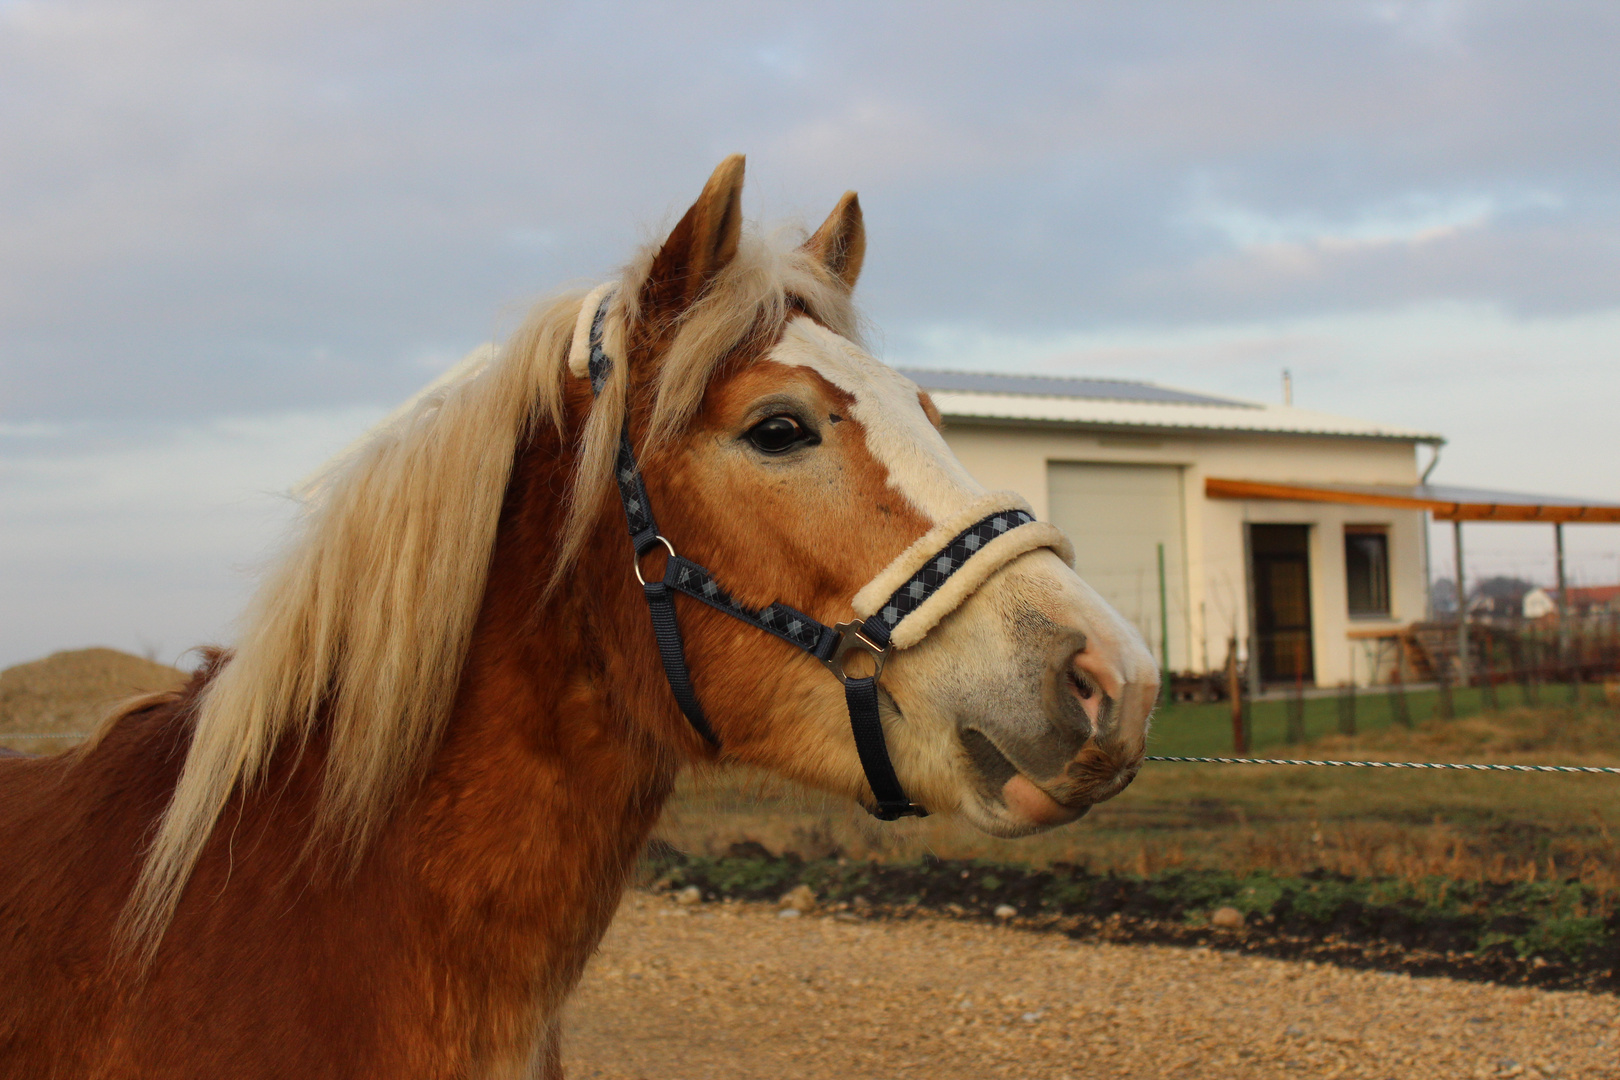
[579,350]
[972,574]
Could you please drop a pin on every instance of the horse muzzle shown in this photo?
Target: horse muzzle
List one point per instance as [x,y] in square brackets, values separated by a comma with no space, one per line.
[1059,719]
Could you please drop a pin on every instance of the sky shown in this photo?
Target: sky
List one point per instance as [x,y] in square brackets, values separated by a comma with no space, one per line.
[237,234]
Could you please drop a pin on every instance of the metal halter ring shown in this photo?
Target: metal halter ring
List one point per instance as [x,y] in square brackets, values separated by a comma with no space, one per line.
[669,547]
[851,639]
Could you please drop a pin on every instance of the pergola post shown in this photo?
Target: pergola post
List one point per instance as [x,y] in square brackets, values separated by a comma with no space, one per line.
[1462,605]
[1254,626]
[1563,595]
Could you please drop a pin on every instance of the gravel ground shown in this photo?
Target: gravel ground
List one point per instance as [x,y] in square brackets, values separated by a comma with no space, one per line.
[721,991]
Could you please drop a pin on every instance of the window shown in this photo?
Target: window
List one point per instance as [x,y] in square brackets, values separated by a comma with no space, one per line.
[1366,570]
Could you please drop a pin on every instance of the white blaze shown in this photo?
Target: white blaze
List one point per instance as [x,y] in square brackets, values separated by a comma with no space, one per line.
[923,471]
[898,432]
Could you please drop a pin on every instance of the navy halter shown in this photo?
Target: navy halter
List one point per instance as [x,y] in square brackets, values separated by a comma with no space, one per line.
[831,645]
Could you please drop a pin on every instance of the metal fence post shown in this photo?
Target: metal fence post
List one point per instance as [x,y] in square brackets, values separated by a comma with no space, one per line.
[1487,678]
[1398,711]
[1164,631]
[1462,606]
[1296,712]
[1234,691]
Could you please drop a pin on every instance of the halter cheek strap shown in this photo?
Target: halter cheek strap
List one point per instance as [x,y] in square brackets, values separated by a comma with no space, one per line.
[920,586]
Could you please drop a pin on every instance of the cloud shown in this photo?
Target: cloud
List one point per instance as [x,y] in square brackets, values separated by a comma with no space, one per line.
[1416,219]
[212,208]
[220,211]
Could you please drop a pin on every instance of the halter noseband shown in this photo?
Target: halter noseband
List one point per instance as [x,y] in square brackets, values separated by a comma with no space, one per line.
[831,645]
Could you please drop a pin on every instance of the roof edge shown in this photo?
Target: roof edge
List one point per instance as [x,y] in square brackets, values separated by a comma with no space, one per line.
[1126,427]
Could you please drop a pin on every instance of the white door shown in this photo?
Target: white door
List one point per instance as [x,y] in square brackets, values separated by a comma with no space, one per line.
[1117,516]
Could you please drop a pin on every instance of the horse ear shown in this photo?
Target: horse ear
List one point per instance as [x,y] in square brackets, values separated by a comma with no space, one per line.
[840,243]
[701,245]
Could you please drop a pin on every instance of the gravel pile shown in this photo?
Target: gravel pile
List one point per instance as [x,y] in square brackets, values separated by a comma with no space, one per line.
[721,991]
[71,692]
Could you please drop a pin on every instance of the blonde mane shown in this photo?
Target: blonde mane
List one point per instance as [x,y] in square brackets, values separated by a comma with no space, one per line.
[360,631]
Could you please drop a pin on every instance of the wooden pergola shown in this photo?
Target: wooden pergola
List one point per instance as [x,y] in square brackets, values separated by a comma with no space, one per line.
[1452,504]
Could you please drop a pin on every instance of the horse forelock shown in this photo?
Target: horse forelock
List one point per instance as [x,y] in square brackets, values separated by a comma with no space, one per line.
[360,631]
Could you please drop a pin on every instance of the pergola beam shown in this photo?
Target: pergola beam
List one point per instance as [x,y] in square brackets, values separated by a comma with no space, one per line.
[1416,498]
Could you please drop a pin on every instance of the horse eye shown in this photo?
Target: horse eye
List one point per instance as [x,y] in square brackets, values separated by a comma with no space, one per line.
[778,434]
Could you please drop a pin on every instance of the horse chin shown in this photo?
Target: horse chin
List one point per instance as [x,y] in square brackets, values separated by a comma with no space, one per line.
[1027,801]
[1006,801]
[1021,809]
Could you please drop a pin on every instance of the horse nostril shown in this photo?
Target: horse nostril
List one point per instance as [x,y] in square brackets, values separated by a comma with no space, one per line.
[1082,685]
[1097,673]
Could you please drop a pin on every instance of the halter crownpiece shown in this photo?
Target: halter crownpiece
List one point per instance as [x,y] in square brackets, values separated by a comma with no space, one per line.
[895,609]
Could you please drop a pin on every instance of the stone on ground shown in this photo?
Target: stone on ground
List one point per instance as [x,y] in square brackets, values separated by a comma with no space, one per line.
[799,899]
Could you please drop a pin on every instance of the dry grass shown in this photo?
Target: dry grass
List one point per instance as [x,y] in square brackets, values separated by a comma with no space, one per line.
[1284,820]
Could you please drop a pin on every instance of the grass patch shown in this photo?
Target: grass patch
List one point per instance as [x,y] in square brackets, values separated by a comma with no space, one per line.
[1411,827]
[1206,730]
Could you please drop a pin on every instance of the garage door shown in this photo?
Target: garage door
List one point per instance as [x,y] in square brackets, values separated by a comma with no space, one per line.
[1117,516]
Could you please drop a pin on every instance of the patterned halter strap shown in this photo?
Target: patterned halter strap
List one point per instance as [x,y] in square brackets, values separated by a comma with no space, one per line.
[832,645]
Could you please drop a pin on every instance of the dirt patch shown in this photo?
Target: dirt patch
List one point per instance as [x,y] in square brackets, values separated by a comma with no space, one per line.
[727,991]
[1548,934]
[69,692]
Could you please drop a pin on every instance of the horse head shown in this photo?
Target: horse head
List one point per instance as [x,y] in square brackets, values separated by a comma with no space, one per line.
[801,472]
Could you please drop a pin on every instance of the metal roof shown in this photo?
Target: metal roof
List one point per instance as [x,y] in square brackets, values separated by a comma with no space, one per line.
[1447,503]
[1059,386]
[1118,403]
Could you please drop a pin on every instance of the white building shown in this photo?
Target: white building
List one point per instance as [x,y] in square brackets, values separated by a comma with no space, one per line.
[1234,492]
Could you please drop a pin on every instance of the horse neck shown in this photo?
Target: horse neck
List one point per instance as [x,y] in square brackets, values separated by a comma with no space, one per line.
[546,786]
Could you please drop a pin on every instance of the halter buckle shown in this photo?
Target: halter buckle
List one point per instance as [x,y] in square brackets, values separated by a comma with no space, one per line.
[852,639]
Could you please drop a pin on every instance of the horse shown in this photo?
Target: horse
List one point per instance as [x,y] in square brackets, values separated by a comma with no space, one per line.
[382,835]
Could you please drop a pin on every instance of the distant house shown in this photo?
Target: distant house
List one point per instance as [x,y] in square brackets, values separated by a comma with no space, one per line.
[1270,518]
[1584,600]
[1592,599]
[1538,603]
[1498,597]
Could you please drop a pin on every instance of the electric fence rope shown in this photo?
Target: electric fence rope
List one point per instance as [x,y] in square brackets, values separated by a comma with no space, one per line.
[1612,770]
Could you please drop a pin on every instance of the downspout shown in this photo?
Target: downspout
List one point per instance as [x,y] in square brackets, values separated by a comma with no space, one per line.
[1433,461]
[1428,523]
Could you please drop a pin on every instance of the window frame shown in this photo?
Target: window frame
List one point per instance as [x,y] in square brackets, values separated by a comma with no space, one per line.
[1351,532]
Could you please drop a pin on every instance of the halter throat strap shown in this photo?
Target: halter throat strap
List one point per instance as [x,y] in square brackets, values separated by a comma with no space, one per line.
[831,645]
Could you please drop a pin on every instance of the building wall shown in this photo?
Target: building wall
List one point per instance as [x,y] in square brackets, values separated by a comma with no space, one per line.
[1216,604]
